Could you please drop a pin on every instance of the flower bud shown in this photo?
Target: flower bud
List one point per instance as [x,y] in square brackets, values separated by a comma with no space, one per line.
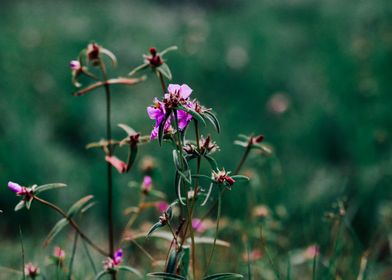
[59,254]
[147,185]
[93,51]
[16,188]
[75,65]
[117,163]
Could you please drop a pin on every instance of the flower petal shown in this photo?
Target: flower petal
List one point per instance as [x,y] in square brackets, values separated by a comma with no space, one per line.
[185,91]
[172,88]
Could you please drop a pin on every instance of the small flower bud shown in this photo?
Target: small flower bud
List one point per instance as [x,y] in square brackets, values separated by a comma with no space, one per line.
[59,254]
[75,65]
[118,257]
[222,177]
[93,51]
[257,139]
[154,60]
[16,188]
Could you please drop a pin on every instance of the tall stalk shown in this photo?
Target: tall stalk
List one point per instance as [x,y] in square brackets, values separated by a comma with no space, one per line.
[109,166]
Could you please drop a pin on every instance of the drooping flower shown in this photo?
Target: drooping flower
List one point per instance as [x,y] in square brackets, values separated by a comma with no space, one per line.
[117,163]
[31,270]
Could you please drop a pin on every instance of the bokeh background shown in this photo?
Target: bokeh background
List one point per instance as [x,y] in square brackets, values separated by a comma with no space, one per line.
[313,76]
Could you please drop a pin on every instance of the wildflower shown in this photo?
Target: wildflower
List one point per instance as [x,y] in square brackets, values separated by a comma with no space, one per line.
[147,184]
[156,111]
[117,163]
[253,256]
[16,188]
[207,146]
[261,211]
[256,139]
[154,60]
[75,65]
[112,263]
[222,177]
[161,206]
[311,251]
[93,51]
[59,253]
[31,270]
[177,95]
[198,225]
[166,129]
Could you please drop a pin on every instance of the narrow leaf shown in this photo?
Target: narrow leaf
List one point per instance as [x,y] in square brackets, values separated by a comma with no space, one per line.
[162,127]
[101,274]
[47,187]
[194,114]
[240,178]
[138,68]
[208,194]
[78,205]
[129,130]
[172,262]
[165,275]
[55,230]
[178,188]
[212,162]
[223,276]
[213,119]
[169,49]
[165,71]
[154,228]
[131,270]
[20,205]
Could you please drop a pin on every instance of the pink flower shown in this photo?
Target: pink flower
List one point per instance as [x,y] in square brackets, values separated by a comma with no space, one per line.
[117,163]
[31,270]
[311,252]
[110,264]
[198,225]
[161,206]
[222,177]
[58,253]
[75,65]
[183,91]
[147,184]
[16,188]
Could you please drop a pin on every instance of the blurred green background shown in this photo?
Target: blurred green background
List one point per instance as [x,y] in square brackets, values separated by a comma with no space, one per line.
[313,76]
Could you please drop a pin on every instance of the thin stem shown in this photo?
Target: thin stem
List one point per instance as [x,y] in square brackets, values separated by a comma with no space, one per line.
[162,81]
[73,224]
[89,257]
[71,261]
[243,159]
[264,249]
[23,253]
[216,231]
[109,166]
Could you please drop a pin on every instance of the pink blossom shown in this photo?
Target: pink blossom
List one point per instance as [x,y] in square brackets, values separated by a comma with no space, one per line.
[31,270]
[198,225]
[16,188]
[183,91]
[118,257]
[75,65]
[311,252]
[117,163]
[58,253]
[161,206]
[147,184]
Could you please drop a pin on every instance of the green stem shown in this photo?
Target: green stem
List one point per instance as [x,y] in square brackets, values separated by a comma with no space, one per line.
[243,159]
[71,261]
[23,253]
[89,257]
[73,224]
[216,231]
[109,166]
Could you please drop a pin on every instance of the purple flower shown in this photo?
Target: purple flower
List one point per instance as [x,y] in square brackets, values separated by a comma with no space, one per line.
[118,257]
[156,111]
[166,129]
[16,188]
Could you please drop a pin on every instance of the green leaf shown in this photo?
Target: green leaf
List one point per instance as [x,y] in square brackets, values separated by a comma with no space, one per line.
[184,260]
[240,178]
[169,49]
[28,204]
[165,71]
[208,194]
[128,130]
[177,183]
[172,262]
[131,270]
[20,205]
[194,114]
[55,230]
[101,274]
[162,127]
[223,276]
[138,68]
[212,162]
[213,119]
[47,187]
[210,241]
[241,143]
[165,275]
[79,205]
[155,227]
